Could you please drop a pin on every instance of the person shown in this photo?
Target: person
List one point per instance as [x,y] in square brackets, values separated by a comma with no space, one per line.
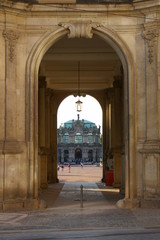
[58,167]
[69,166]
[81,165]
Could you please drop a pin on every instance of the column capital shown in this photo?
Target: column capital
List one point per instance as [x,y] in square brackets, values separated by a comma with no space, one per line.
[150,35]
[12,37]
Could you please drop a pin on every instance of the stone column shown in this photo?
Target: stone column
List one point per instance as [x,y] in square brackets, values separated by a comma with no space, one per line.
[122,186]
[48,134]
[70,153]
[48,117]
[151,148]
[15,186]
[42,132]
[85,156]
[105,133]
[54,138]
[94,155]
[117,129]
[43,170]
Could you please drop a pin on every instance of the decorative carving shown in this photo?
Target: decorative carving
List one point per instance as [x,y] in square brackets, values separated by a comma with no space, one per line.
[150,36]
[11,36]
[80,29]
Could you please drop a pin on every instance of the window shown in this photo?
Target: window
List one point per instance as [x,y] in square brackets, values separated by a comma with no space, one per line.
[66,138]
[90,138]
[96,138]
[59,139]
[78,138]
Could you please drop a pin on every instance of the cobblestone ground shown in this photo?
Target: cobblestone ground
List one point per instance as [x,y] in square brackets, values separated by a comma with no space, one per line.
[64,210]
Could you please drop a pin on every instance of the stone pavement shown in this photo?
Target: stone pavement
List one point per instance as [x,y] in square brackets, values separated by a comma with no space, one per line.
[65,215]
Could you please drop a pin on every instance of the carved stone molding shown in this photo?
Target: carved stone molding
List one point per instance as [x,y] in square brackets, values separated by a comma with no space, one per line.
[150,35]
[12,37]
[12,147]
[150,147]
[80,29]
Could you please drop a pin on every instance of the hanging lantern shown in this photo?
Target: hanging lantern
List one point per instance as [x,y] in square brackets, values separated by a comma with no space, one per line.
[79,102]
[79,105]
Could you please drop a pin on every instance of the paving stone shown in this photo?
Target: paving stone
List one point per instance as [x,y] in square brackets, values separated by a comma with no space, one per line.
[64,213]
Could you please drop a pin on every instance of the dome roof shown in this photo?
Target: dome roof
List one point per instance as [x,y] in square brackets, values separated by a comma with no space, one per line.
[87,124]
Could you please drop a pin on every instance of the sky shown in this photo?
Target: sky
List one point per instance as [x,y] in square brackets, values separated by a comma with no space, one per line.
[91,110]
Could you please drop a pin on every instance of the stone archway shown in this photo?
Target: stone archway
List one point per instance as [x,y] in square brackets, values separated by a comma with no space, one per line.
[78,155]
[81,30]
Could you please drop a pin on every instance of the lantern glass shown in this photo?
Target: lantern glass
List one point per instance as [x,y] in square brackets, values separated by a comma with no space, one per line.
[79,105]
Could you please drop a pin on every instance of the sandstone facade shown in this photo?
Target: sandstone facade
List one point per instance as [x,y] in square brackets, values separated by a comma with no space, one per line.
[118,46]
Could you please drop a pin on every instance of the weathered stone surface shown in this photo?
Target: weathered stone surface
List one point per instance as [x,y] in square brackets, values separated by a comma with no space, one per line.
[35,44]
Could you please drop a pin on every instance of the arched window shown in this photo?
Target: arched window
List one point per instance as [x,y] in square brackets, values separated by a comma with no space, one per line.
[90,138]
[66,138]
[78,138]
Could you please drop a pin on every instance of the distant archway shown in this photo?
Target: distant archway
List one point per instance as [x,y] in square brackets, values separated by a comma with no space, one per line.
[92,114]
[78,155]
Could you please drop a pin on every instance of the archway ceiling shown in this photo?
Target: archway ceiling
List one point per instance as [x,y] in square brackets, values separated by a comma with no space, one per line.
[99,64]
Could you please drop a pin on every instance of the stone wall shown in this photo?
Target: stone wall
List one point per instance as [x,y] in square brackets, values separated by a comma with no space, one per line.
[27,31]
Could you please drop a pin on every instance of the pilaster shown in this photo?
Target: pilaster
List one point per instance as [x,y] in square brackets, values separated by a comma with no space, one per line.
[54,106]
[150,35]
[42,132]
[151,169]
[11,38]
[105,133]
[48,95]
[150,149]
[117,128]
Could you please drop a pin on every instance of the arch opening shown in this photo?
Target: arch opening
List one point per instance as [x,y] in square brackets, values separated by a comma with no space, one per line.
[84,133]
[78,155]
[99,89]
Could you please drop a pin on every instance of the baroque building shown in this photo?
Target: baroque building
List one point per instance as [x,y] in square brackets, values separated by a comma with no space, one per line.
[79,141]
[117,44]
